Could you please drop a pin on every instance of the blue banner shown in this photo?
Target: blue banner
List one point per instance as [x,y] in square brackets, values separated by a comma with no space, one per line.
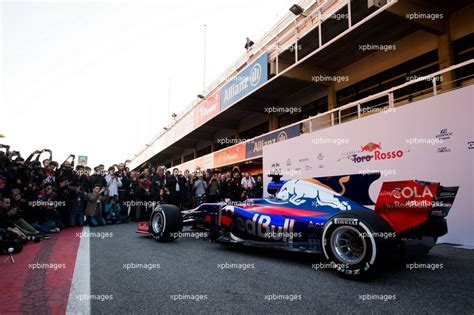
[255,147]
[245,82]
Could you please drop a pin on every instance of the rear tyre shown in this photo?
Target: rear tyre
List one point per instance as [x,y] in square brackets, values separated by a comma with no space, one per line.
[355,242]
[165,223]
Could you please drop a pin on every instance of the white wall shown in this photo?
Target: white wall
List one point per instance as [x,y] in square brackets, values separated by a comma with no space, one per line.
[423,119]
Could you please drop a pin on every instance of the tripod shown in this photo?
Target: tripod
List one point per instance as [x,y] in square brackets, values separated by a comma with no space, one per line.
[10,256]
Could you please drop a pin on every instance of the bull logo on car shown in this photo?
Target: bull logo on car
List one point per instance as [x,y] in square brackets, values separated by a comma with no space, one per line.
[298,192]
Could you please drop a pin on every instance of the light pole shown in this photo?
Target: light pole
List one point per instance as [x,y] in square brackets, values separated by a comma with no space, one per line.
[204,61]
[169,101]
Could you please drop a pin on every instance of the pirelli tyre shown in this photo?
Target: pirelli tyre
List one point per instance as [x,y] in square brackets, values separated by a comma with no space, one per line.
[356,241]
[165,223]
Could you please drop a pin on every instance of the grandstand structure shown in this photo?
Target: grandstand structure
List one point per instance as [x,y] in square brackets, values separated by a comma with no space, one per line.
[325,63]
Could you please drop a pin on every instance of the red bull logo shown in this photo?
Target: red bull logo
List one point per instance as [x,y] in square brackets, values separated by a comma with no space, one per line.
[261,226]
[370,147]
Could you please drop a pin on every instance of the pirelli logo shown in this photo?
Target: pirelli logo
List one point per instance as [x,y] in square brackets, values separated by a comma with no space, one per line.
[347,221]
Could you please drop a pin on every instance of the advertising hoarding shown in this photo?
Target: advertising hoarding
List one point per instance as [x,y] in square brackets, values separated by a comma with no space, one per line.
[208,109]
[230,155]
[245,82]
[255,147]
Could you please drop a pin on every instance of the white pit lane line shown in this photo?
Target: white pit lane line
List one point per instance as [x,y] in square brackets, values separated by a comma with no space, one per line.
[81,280]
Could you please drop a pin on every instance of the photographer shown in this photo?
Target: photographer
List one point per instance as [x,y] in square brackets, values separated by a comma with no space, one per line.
[112,212]
[158,183]
[247,184]
[65,201]
[5,222]
[187,190]
[134,189]
[33,175]
[144,184]
[258,189]
[10,235]
[94,208]
[19,174]
[200,187]
[66,171]
[13,216]
[221,182]
[76,212]
[113,182]
[227,187]
[49,173]
[97,178]
[235,187]
[82,177]
[124,191]
[213,189]
[47,216]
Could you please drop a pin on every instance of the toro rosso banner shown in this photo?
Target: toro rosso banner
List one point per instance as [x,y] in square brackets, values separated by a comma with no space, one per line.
[428,140]
[255,147]
[245,82]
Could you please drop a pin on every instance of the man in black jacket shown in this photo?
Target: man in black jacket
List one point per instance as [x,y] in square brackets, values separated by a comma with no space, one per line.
[124,191]
[10,235]
[97,178]
[13,221]
[175,184]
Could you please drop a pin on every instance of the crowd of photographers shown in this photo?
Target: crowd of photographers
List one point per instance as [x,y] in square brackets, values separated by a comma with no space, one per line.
[188,189]
[38,198]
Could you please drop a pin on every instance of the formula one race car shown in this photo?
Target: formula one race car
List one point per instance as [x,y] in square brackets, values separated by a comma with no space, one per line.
[334,216]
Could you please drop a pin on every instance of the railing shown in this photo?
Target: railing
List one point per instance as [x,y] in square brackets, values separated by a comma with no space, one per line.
[335,116]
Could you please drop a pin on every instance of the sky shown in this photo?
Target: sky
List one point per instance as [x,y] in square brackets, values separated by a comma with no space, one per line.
[93,77]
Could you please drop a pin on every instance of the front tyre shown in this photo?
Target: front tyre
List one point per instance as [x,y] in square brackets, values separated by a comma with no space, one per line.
[165,223]
[355,242]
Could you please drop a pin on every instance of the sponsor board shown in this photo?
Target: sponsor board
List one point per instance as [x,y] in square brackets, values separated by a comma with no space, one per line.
[245,82]
[255,147]
[229,155]
[207,109]
[204,162]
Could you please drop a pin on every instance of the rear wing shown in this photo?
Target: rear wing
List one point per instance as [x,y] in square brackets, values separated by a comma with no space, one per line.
[406,204]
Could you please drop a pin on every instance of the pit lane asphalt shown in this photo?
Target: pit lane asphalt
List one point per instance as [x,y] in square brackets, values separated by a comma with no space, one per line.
[190,267]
